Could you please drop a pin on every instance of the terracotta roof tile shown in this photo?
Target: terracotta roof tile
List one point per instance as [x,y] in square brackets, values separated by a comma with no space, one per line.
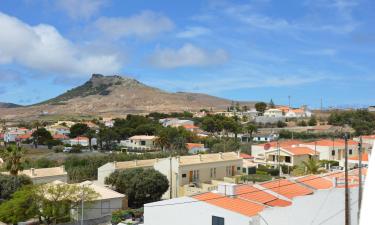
[316,182]
[233,204]
[300,150]
[287,188]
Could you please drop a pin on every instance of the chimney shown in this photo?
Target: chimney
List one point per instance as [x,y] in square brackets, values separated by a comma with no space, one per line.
[227,189]
[136,162]
[239,154]
[33,172]
[334,182]
[220,155]
[178,159]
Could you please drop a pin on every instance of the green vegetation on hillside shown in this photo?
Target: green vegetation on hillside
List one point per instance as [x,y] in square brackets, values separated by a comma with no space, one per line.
[362,121]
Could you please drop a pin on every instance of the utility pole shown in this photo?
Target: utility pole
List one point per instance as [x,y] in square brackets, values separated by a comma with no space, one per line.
[170,177]
[347,197]
[359,177]
[83,196]
[278,157]
[289,101]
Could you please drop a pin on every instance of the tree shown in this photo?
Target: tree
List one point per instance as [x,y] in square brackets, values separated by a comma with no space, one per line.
[90,134]
[312,121]
[281,124]
[312,166]
[141,186]
[41,136]
[261,107]
[271,105]
[10,184]
[78,129]
[250,128]
[52,202]
[162,141]
[20,208]
[12,156]
[55,200]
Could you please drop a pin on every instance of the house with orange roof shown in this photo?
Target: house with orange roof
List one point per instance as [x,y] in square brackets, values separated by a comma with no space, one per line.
[354,160]
[366,139]
[140,142]
[332,149]
[289,155]
[191,128]
[313,199]
[194,148]
[83,141]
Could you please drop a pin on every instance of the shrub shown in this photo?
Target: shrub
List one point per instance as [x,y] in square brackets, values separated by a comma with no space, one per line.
[256,177]
[58,148]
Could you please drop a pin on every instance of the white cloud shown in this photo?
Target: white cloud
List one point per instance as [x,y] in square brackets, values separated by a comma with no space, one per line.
[81,8]
[191,32]
[43,48]
[144,25]
[187,55]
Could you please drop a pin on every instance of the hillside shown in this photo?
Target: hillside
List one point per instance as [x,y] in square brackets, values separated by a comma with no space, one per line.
[117,95]
[9,105]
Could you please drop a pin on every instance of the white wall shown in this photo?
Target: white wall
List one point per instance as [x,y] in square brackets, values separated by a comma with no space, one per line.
[197,213]
[104,171]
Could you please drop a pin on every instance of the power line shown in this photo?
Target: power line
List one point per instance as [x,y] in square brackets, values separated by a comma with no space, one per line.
[337,213]
[195,201]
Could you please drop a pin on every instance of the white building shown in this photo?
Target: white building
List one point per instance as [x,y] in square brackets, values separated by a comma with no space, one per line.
[273,113]
[175,122]
[83,141]
[140,142]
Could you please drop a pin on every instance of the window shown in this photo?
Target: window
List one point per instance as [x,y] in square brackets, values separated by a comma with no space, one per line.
[184,175]
[333,152]
[243,170]
[238,168]
[213,172]
[273,158]
[195,175]
[217,220]
[143,142]
[228,170]
[350,151]
[287,159]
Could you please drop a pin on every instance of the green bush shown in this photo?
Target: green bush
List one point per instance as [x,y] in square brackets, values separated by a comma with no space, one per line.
[256,177]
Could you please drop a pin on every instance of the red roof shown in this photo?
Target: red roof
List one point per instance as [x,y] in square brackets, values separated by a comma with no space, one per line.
[246,156]
[287,188]
[59,137]
[233,204]
[24,136]
[252,193]
[194,145]
[356,158]
[329,143]
[80,138]
[284,143]
[316,182]
[188,126]
[300,150]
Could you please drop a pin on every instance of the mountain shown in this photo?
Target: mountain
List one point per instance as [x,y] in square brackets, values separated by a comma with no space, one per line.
[117,95]
[9,105]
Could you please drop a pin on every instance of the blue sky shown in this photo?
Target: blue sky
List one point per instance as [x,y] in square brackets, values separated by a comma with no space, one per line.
[242,50]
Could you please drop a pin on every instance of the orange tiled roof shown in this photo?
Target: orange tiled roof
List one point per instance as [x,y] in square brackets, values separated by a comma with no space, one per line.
[24,136]
[189,126]
[283,143]
[246,156]
[233,204]
[194,145]
[329,143]
[287,188]
[59,136]
[300,150]
[81,138]
[252,193]
[364,157]
[315,182]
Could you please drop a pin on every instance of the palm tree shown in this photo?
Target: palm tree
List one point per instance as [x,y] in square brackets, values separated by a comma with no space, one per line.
[312,166]
[12,156]
[250,129]
[163,142]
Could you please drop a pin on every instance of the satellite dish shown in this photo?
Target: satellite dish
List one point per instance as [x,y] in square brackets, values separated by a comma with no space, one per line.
[267,146]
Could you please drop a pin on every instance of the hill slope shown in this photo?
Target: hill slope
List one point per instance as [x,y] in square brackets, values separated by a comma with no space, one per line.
[9,105]
[116,95]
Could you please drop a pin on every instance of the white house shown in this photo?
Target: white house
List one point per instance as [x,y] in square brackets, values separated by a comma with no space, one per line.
[140,142]
[194,148]
[175,122]
[273,113]
[100,210]
[83,141]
